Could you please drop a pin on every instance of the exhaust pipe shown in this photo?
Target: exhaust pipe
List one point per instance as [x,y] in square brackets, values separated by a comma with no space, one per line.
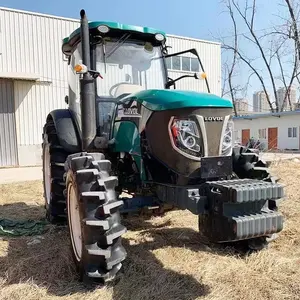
[87,90]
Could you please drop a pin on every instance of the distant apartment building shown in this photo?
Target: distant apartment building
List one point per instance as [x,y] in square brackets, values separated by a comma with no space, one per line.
[260,102]
[284,96]
[241,105]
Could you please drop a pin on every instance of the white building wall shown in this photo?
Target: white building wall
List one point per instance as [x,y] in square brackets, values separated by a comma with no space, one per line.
[31,43]
[282,123]
[30,49]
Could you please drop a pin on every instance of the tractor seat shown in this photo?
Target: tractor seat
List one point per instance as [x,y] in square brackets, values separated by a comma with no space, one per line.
[127,88]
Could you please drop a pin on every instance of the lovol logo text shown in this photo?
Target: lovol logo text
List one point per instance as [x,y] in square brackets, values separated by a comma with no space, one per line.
[213,119]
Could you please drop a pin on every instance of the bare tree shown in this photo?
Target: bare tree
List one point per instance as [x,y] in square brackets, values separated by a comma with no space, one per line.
[230,66]
[294,10]
[271,58]
[237,53]
[293,15]
[287,85]
[249,22]
[291,33]
[234,60]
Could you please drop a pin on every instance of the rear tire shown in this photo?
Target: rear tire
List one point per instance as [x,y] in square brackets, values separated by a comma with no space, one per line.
[93,217]
[54,157]
[247,164]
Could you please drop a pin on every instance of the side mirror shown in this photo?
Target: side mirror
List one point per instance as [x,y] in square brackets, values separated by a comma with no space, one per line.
[200,75]
[82,69]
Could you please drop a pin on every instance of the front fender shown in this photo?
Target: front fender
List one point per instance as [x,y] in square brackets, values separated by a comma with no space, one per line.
[66,130]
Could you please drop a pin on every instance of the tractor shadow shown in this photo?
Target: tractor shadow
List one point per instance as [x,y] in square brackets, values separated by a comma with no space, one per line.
[46,261]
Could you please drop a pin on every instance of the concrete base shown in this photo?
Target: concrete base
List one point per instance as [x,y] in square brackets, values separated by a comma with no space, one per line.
[30,155]
[11,175]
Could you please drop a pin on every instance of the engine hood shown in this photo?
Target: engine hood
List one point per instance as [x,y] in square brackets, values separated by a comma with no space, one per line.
[159,100]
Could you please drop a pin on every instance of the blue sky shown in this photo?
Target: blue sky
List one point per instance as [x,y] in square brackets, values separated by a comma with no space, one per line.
[201,19]
[194,18]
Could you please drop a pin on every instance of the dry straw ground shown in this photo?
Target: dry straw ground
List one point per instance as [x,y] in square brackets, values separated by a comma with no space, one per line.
[166,258]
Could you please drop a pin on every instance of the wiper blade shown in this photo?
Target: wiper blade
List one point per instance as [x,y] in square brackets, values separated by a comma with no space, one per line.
[119,43]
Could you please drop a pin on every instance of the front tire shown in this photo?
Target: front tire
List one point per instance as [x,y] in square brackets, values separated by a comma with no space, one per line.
[93,217]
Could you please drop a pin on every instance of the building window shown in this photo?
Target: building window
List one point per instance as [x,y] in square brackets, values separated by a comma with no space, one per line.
[183,63]
[186,64]
[176,63]
[169,62]
[292,132]
[262,133]
[195,67]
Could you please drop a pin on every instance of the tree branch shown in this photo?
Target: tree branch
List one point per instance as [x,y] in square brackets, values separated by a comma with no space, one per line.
[250,26]
[248,63]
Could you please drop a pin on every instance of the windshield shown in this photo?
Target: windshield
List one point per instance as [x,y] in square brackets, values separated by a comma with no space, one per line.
[128,66]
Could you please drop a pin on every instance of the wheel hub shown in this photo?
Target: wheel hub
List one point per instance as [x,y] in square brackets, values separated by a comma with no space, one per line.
[47,173]
[74,221]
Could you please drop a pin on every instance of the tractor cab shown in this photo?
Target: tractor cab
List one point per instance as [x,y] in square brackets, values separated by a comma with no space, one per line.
[125,58]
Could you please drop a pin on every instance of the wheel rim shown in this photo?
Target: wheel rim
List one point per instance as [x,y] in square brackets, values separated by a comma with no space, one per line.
[47,171]
[74,222]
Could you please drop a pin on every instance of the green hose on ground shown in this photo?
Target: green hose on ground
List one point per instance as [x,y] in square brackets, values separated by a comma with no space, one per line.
[15,228]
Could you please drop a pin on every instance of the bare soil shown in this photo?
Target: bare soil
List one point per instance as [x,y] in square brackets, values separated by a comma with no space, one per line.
[166,257]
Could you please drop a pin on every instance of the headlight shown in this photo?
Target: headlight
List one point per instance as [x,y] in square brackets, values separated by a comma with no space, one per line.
[185,137]
[159,37]
[227,140]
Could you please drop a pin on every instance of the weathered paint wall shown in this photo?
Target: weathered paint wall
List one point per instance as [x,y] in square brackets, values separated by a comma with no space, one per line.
[282,123]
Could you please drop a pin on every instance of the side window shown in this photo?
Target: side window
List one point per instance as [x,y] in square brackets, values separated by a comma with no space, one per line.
[292,132]
[262,133]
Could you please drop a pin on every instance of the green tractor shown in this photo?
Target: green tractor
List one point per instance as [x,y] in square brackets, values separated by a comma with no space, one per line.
[128,129]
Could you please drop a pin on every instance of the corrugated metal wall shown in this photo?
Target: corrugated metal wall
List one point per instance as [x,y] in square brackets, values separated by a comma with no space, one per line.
[33,102]
[8,138]
[32,44]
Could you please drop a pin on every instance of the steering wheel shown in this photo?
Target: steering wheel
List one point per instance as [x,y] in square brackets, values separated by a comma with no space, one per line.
[115,86]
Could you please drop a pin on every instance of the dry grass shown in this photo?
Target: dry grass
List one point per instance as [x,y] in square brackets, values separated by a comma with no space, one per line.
[166,259]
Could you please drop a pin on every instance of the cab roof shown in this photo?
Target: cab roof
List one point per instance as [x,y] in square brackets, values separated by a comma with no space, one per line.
[74,37]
